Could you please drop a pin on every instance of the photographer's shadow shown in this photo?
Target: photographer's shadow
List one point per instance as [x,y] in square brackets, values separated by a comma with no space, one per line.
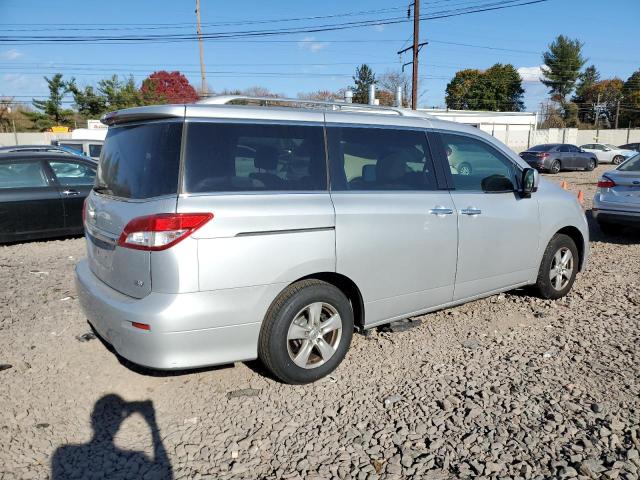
[101,458]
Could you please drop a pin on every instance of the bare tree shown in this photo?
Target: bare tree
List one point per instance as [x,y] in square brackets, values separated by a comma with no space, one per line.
[391,80]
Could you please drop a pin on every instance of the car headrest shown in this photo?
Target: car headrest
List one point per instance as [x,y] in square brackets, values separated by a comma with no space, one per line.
[266,158]
[391,167]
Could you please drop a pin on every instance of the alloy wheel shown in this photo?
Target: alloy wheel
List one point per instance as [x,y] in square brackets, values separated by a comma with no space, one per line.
[561,268]
[314,335]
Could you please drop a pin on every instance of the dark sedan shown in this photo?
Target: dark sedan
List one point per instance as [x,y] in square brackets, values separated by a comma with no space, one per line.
[631,146]
[42,194]
[553,157]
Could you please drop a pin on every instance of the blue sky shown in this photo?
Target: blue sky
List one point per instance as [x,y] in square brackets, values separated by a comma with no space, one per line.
[305,62]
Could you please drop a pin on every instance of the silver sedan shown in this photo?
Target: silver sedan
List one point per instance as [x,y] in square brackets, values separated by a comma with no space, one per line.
[617,200]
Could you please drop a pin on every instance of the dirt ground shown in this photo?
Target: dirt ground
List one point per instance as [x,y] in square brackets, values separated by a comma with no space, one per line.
[506,387]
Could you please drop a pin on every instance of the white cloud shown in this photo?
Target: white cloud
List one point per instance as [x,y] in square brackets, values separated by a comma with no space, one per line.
[11,54]
[530,74]
[309,43]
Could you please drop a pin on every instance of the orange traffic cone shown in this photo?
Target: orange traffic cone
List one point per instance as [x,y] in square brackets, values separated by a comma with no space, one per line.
[581,197]
[564,185]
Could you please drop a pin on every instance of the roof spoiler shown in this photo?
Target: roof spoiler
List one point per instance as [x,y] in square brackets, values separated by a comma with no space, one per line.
[154,112]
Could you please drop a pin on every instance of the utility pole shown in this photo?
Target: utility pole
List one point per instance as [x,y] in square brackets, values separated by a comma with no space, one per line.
[416,46]
[203,75]
[617,113]
[415,50]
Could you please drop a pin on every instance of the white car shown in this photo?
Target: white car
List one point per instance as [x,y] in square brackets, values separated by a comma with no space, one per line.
[608,153]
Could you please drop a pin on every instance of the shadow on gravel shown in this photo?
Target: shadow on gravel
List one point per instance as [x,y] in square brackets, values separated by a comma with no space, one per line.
[101,458]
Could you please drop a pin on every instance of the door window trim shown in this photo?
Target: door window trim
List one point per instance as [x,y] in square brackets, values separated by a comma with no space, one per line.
[441,182]
[444,162]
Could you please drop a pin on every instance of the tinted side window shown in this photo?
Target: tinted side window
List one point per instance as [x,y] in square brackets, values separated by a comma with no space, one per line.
[564,148]
[251,157]
[474,162]
[575,149]
[379,159]
[73,174]
[22,175]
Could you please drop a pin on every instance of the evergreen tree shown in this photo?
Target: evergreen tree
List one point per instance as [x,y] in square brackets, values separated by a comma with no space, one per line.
[363,79]
[563,62]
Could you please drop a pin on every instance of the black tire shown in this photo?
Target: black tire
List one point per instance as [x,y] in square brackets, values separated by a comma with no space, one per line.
[555,167]
[591,165]
[608,228]
[464,169]
[617,160]
[544,285]
[273,345]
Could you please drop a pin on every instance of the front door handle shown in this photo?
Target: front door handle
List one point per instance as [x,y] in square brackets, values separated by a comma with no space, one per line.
[70,192]
[471,211]
[441,211]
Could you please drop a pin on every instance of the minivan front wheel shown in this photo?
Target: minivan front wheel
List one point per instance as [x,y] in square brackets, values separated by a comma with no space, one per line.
[558,268]
[306,332]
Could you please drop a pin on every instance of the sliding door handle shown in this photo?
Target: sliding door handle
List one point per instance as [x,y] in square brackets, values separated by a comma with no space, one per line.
[471,211]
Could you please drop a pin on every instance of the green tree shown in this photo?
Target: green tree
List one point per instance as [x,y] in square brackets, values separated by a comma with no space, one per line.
[587,79]
[563,62]
[119,94]
[50,111]
[630,113]
[390,81]
[464,91]
[363,78]
[497,89]
[88,102]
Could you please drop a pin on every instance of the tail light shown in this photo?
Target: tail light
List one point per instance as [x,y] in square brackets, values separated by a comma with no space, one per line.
[161,231]
[606,182]
[543,155]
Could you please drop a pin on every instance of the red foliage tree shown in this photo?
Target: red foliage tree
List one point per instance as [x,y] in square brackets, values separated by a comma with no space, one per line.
[168,87]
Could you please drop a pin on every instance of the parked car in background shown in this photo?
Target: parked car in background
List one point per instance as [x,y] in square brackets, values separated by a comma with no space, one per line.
[554,157]
[39,148]
[41,194]
[607,153]
[90,148]
[617,199]
[223,233]
[631,146]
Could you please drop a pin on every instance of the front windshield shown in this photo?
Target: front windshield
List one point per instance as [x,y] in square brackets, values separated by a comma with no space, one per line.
[631,165]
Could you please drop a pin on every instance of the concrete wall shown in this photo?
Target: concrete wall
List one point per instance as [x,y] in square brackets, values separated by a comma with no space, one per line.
[30,138]
[520,141]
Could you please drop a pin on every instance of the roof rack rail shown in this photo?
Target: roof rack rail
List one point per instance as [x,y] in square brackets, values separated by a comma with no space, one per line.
[226,99]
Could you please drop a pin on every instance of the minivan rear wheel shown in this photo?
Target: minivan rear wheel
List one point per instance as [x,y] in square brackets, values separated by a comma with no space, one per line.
[306,332]
[558,268]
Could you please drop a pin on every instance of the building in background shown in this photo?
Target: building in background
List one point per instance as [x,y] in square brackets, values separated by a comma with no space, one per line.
[515,129]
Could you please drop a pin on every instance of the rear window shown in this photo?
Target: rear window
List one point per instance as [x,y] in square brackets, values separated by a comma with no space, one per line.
[140,161]
[254,157]
[542,148]
[72,146]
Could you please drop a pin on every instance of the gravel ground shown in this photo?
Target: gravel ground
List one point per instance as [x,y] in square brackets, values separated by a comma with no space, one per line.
[509,386]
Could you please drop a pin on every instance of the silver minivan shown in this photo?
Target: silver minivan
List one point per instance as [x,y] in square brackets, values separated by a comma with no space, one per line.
[219,233]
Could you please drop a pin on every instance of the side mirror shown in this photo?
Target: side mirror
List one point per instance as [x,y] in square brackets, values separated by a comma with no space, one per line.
[497,184]
[607,149]
[529,182]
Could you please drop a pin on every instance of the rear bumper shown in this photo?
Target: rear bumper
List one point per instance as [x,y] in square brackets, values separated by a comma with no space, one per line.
[617,216]
[187,330]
